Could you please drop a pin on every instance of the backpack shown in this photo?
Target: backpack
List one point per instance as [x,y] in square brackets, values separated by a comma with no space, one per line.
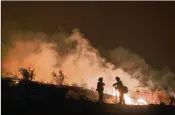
[125,89]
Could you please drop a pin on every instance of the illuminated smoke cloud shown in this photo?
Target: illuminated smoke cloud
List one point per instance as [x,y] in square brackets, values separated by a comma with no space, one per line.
[137,68]
[74,55]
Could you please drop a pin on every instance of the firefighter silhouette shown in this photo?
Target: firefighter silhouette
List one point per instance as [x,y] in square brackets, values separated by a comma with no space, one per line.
[100,89]
[122,90]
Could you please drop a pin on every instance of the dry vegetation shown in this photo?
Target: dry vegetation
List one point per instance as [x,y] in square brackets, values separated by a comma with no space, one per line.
[81,91]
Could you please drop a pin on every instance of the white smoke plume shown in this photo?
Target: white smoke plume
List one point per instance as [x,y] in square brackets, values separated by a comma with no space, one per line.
[137,67]
[73,54]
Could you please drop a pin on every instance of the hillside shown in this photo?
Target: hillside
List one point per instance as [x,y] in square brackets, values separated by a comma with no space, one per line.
[38,98]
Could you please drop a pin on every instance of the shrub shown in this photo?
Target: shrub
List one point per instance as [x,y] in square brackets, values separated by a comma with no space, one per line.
[27,73]
[58,79]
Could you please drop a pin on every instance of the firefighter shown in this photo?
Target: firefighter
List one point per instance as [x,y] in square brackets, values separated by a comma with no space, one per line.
[100,89]
[119,86]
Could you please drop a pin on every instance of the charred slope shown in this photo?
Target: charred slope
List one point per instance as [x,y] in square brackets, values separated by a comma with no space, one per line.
[49,99]
[48,107]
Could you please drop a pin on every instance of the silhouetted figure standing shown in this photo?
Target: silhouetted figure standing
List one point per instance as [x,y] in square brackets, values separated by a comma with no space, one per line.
[100,88]
[119,87]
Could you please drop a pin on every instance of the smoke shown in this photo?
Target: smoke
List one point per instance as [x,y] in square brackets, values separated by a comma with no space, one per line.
[73,54]
[137,67]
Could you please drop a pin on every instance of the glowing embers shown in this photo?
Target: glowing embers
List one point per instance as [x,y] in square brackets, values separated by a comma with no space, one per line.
[129,100]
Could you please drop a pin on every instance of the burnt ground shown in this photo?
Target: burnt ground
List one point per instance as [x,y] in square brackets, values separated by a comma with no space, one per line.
[50,100]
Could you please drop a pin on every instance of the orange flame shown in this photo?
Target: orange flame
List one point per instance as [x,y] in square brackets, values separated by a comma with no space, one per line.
[129,100]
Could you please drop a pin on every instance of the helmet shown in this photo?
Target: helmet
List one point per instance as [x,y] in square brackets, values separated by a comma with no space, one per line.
[100,79]
[117,78]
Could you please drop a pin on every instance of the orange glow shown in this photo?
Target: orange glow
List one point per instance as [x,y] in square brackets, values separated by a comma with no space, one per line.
[77,61]
[129,100]
[82,62]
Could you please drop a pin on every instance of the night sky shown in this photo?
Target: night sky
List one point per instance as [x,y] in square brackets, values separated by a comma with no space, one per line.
[147,28]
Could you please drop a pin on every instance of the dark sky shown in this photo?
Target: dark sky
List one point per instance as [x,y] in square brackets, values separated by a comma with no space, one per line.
[147,28]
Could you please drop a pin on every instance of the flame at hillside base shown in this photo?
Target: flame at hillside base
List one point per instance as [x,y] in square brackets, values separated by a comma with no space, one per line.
[129,100]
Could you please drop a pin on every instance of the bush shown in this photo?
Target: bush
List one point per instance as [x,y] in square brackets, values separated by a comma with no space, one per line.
[27,73]
[58,79]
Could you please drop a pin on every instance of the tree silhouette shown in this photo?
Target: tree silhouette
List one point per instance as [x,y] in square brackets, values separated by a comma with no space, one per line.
[27,73]
[58,79]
